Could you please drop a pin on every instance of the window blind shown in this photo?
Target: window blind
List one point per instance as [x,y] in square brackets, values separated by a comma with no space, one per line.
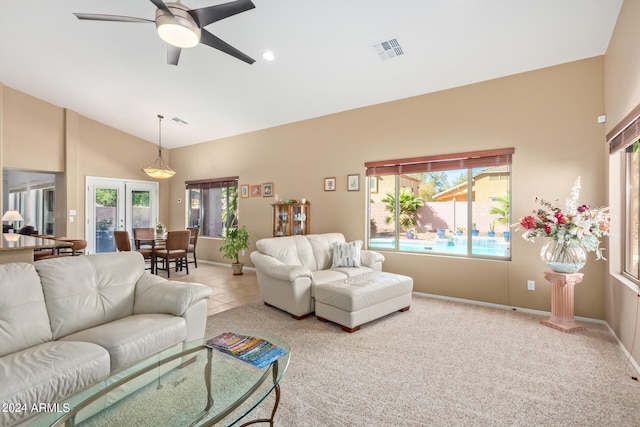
[471,159]
[231,181]
[620,139]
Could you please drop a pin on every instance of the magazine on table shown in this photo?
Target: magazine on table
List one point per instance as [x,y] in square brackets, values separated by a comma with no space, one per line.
[254,350]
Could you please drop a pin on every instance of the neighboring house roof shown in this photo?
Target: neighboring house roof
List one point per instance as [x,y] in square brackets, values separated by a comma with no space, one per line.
[462,187]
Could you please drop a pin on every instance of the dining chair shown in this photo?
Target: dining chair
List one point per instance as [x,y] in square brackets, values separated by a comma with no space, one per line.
[123,244]
[176,250]
[193,241]
[144,237]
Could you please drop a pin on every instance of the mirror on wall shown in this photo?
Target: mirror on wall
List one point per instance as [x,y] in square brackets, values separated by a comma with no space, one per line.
[33,195]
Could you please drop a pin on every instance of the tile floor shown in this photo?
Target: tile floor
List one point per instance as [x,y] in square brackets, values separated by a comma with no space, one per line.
[229,291]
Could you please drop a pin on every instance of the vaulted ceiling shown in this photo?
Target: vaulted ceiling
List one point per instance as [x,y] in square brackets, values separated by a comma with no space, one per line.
[116,73]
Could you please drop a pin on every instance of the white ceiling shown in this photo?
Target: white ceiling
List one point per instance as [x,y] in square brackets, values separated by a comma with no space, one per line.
[116,73]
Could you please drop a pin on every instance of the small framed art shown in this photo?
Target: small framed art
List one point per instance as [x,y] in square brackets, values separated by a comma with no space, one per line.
[244,191]
[353,182]
[256,190]
[330,184]
[267,189]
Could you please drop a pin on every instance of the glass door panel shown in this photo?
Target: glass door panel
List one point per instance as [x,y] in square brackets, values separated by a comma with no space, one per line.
[114,204]
[141,205]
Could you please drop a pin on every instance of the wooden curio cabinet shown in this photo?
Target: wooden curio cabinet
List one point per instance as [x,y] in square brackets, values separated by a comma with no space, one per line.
[291,219]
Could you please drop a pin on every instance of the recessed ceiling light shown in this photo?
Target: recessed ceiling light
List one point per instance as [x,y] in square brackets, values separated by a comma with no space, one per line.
[268,55]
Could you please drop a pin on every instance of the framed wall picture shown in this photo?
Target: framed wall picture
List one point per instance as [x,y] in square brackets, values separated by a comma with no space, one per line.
[373,184]
[353,182]
[267,189]
[256,190]
[330,184]
[244,191]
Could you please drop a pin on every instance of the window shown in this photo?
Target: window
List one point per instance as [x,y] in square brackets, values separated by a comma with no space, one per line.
[456,204]
[623,141]
[631,223]
[213,205]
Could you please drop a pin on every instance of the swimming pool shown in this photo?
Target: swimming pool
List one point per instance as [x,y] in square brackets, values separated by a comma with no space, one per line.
[483,246]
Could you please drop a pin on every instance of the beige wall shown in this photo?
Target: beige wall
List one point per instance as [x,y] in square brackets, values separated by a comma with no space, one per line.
[549,116]
[622,88]
[33,131]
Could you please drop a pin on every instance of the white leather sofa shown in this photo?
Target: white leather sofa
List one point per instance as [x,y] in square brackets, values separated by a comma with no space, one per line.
[287,267]
[67,322]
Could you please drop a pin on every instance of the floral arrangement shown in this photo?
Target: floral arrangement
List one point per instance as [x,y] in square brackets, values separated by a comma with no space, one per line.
[579,223]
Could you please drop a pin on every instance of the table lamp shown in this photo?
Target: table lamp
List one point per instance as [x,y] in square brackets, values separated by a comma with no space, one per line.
[12,216]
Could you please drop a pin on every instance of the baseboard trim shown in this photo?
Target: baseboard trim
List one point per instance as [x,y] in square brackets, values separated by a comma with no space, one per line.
[630,358]
[633,363]
[505,307]
[223,264]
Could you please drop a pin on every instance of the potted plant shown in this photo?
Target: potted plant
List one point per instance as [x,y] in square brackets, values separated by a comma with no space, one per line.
[235,240]
[460,231]
[474,230]
[492,231]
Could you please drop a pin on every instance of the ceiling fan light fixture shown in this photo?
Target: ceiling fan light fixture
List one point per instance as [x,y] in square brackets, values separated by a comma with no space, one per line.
[178,29]
[159,169]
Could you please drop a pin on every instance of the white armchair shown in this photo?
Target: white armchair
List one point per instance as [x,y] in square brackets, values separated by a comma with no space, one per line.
[288,267]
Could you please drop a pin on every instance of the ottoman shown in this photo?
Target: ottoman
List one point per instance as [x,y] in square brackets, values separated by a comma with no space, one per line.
[357,300]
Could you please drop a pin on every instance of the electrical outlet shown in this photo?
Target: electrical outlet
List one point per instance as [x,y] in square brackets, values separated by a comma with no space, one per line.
[531,285]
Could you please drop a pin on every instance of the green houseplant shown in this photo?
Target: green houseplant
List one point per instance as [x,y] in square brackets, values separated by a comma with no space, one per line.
[235,240]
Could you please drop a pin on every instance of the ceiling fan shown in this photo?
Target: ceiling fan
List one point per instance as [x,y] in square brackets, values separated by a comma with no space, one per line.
[181,27]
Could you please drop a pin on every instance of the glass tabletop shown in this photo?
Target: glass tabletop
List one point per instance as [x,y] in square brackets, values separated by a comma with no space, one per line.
[179,397]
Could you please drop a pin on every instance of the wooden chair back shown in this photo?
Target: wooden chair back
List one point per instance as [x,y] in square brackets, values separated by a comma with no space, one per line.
[143,236]
[123,243]
[195,232]
[178,240]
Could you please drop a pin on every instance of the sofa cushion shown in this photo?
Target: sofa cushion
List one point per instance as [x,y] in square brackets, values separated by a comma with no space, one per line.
[322,248]
[86,291]
[291,250]
[24,321]
[346,254]
[325,276]
[48,373]
[353,271]
[134,337]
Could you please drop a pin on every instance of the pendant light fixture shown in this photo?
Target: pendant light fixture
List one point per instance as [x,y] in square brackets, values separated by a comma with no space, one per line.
[159,169]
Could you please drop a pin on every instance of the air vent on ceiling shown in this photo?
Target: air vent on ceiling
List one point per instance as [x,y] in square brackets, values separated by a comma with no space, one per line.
[179,121]
[388,49]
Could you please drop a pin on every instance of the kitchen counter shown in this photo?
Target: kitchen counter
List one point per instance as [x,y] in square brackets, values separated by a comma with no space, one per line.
[20,248]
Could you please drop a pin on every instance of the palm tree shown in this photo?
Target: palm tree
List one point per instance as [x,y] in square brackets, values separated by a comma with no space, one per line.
[408,209]
[503,210]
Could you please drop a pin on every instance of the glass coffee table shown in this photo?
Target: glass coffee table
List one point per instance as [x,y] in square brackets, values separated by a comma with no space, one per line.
[209,387]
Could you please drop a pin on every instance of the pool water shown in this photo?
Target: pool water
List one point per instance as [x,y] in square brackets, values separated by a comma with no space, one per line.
[487,246]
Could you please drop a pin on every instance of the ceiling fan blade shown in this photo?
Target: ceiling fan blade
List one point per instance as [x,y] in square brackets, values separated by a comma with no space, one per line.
[216,43]
[113,18]
[160,5]
[173,54]
[207,15]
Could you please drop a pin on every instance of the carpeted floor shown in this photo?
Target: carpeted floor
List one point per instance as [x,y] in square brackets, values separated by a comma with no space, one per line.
[445,363]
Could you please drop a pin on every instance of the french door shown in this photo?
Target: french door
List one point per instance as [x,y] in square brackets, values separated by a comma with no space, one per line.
[115,204]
